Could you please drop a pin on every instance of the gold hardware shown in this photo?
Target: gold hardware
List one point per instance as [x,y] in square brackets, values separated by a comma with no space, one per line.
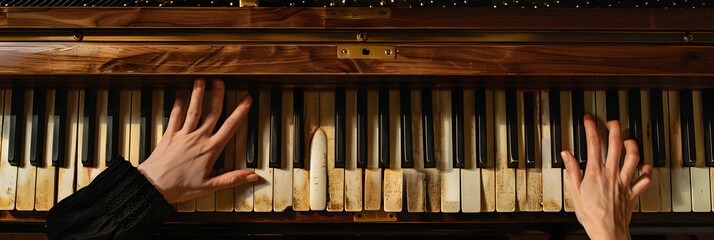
[375,216]
[688,37]
[365,52]
[362,36]
[248,3]
[357,13]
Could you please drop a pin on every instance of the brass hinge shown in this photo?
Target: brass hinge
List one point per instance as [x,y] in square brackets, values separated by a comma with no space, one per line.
[375,216]
[366,52]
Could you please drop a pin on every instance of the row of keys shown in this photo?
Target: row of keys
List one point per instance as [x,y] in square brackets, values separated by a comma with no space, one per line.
[458,150]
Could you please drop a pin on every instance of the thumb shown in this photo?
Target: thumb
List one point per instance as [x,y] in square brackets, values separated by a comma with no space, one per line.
[572,169]
[231,179]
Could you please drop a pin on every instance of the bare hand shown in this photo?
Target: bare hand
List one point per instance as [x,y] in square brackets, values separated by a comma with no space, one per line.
[605,197]
[181,164]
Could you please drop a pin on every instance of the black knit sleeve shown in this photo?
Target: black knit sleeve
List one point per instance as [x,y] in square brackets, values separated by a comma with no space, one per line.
[119,204]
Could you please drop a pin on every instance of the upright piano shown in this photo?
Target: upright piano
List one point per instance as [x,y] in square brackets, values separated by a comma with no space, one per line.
[442,117]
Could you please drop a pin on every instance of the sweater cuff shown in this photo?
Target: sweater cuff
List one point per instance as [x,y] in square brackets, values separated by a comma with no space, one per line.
[128,196]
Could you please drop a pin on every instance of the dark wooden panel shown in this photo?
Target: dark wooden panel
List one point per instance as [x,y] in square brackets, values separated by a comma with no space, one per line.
[295,17]
[313,59]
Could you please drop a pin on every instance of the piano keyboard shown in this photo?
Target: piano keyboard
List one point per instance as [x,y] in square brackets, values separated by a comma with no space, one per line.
[453,150]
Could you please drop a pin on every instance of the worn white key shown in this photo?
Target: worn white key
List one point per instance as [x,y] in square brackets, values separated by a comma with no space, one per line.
[393,177]
[416,177]
[26,173]
[470,174]
[701,191]
[318,171]
[353,175]
[225,197]
[157,115]
[552,176]
[135,127]
[681,189]
[335,176]
[534,199]
[505,176]
[45,190]
[566,128]
[301,176]
[373,174]
[65,174]
[263,188]
[664,180]
[488,174]
[283,176]
[8,173]
[450,176]
[649,199]
[243,193]
[623,100]
[529,193]
[433,175]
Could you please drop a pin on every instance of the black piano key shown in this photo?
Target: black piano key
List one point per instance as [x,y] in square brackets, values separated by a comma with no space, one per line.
[384,128]
[481,134]
[17,114]
[145,125]
[613,105]
[251,159]
[340,105]
[276,102]
[362,129]
[59,130]
[406,118]
[88,130]
[457,128]
[555,129]
[512,128]
[169,99]
[428,128]
[689,156]
[37,137]
[659,157]
[298,137]
[529,119]
[221,160]
[112,143]
[635,105]
[708,117]
[580,149]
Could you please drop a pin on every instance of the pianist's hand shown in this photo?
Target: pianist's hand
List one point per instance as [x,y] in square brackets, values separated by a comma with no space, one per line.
[605,197]
[181,164]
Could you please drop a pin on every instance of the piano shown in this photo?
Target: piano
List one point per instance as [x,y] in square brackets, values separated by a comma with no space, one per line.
[441,116]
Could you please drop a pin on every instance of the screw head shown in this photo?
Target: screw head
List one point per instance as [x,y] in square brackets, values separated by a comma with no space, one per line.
[344,51]
[388,52]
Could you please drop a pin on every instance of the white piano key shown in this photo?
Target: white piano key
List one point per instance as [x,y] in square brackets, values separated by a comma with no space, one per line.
[664,180]
[393,176]
[263,188]
[301,176]
[601,116]
[373,174]
[243,193]
[225,197]
[416,177]
[521,180]
[649,199]
[566,127]
[8,173]
[552,176]
[433,175]
[318,171]
[65,175]
[26,173]
[681,189]
[185,206]
[534,199]
[157,115]
[45,190]
[206,203]
[450,176]
[470,174]
[335,176]
[488,174]
[623,100]
[505,177]
[353,175]
[135,128]
[701,191]
[283,176]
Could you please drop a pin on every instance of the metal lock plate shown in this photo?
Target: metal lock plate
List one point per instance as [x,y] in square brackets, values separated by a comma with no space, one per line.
[366,52]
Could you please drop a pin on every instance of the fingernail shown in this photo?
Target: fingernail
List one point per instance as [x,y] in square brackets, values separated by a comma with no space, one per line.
[252,177]
[563,154]
[217,83]
[247,99]
[198,83]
